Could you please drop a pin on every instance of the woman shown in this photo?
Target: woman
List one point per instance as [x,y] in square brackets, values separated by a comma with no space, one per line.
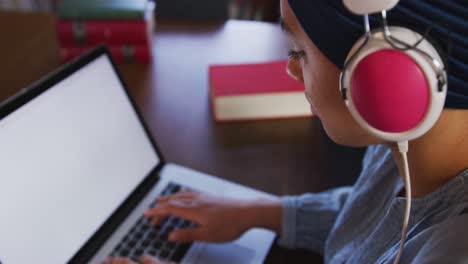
[359,224]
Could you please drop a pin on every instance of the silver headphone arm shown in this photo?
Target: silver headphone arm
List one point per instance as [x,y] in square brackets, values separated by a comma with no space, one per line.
[353,56]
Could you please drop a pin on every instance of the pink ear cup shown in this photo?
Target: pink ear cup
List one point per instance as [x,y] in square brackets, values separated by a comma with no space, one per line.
[390,91]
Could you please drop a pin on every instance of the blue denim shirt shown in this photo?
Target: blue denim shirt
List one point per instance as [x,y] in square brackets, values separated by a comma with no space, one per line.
[362,224]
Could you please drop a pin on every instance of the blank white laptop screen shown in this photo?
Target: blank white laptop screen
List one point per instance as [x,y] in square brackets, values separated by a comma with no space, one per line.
[68,159]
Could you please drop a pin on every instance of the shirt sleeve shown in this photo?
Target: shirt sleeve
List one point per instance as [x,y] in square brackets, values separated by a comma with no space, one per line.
[307,219]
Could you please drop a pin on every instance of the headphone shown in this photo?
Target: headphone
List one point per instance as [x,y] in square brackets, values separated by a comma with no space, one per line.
[394,83]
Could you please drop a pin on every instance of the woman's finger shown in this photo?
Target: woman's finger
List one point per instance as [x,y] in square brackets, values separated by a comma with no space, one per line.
[186,235]
[149,260]
[179,195]
[157,220]
[173,208]
[119,260]
[159,212]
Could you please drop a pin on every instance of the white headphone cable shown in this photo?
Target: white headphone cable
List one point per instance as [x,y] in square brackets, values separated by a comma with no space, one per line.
[403,149]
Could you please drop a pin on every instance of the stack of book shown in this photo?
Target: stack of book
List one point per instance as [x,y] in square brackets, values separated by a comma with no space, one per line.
[125,26]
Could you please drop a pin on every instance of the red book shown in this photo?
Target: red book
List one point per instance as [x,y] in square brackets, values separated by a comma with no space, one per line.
[121,54]
[113,32]
[256,91]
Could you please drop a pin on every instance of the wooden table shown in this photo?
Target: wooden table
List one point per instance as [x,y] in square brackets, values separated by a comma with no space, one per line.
[280,157]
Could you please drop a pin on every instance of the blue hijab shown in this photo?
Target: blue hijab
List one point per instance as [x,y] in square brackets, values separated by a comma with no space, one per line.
[334,30]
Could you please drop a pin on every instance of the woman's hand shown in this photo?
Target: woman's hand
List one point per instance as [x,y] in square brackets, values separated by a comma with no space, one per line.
[141,260]
[217,219]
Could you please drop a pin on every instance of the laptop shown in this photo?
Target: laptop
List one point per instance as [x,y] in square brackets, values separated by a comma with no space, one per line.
[79,167]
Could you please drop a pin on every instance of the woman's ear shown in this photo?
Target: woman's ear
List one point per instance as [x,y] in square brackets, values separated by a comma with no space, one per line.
[294,69]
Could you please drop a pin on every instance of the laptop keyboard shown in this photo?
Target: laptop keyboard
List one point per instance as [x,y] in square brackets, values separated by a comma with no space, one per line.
[146,239]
